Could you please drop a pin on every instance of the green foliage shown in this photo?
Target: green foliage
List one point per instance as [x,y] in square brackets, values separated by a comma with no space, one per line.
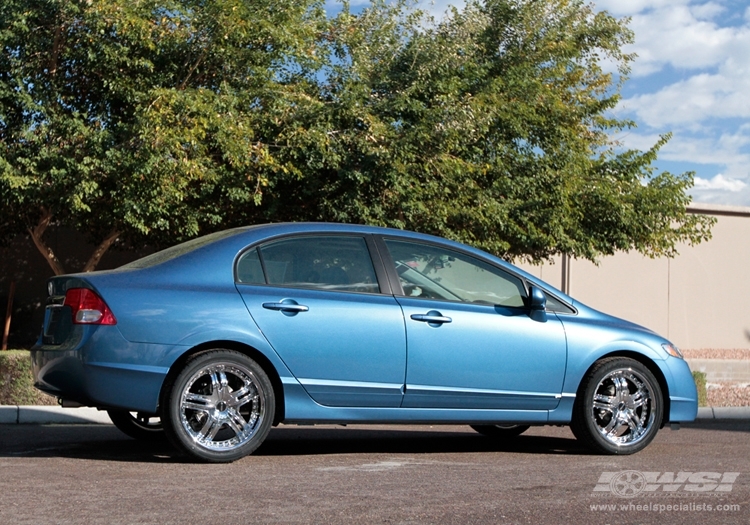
[700,385]
[16,381]
[164,120]
[490,127]
[139,116]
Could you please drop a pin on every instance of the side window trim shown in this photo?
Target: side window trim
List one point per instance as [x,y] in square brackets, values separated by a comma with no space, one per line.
[395,282]
[374,252]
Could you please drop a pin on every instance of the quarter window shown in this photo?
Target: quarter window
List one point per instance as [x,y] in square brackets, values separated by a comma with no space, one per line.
[438,273]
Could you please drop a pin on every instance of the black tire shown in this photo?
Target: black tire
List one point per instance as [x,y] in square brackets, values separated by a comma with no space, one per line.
[138,425]
[619,407]
[220,407]
[501,431]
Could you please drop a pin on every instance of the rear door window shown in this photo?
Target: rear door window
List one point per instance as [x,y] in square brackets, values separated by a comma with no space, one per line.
[322,262]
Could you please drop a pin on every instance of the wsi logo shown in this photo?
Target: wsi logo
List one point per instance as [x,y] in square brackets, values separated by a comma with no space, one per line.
[631,483]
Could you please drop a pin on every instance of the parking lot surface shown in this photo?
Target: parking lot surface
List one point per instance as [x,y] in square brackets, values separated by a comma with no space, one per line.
[377,474]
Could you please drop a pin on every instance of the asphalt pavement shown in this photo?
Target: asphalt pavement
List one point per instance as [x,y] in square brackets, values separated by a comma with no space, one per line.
[91,473]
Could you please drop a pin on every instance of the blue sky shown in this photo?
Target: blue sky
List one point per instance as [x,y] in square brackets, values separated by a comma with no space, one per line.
[691,77]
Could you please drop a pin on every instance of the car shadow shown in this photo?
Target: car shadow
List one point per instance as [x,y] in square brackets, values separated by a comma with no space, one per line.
[296,441]
[104,442]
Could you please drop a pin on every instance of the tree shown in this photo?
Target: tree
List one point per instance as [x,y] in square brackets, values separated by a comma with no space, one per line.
[137,120]
[491,127]
[148,120]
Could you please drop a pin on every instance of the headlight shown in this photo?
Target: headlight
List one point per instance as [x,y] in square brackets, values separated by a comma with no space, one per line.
[672,350]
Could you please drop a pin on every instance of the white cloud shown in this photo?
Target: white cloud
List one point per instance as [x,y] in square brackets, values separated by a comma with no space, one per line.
[631,7]
[680,37]
[695,56]
[719,182]
[701,97]
[706,146]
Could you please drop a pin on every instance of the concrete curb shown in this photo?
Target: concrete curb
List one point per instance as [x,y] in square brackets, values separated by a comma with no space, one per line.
[46,415]
[723,413]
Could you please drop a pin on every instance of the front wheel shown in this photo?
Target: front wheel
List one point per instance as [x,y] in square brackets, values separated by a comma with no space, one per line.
[220,407]
[501,431]
[619,409]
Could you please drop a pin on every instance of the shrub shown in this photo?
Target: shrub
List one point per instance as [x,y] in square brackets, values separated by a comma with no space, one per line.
[16,381]
[700,384]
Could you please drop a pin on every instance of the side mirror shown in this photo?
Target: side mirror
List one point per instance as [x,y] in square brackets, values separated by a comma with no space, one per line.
[537,304]
[537,300]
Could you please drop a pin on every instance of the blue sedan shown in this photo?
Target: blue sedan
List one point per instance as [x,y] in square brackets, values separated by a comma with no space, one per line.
[212,342]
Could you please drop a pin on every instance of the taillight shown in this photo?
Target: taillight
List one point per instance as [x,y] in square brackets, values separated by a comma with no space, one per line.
[88,307]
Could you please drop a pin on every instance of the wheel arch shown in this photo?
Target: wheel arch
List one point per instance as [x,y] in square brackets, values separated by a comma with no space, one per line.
[645,361]
[249,351]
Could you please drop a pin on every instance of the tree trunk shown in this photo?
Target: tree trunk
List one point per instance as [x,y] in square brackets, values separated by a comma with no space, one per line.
[37,236]
[100,250]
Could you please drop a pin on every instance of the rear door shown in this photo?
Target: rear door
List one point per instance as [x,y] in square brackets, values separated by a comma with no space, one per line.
[318,301]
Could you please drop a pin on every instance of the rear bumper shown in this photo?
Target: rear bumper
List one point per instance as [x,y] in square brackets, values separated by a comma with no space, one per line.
[104,370]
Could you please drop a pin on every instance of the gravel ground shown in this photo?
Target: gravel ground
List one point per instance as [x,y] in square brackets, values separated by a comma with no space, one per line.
[724,393]
[717,353]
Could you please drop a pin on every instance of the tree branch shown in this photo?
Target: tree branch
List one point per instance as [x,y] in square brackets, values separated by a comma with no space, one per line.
[100,250]
[36,236]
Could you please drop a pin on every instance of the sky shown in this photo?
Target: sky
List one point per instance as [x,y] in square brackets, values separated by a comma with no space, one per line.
[691,78]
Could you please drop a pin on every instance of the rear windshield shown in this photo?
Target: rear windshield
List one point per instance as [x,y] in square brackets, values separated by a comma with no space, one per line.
[178,250]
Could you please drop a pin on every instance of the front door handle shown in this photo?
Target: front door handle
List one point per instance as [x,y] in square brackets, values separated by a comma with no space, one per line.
[286,307]
[432,317]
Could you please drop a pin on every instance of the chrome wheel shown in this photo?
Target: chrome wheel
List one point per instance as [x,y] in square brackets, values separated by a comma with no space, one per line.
[618,408]
[622,408]
[221,406]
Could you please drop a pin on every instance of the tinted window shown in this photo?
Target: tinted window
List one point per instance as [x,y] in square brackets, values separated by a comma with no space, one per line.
[335,263]
[554,305]
[437,273]
[249,269]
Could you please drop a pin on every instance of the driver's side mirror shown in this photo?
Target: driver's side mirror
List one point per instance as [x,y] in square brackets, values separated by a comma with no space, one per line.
[537,304]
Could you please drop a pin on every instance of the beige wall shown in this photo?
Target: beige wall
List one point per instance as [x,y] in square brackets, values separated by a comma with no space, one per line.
[699,299]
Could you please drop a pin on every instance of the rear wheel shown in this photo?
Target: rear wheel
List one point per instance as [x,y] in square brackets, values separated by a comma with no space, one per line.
[501,431]
[619,410]
[220,407]
[138,425]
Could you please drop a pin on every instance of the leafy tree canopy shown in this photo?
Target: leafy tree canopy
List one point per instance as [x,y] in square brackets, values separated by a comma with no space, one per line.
[144,120]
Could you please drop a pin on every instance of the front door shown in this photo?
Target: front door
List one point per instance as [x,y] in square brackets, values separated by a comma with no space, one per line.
[471,341]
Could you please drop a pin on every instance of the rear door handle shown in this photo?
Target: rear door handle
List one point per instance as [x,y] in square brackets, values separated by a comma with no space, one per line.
[432,317]
[286,307]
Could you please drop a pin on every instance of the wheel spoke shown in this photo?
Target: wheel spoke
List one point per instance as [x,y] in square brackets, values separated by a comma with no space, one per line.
[621,387]
[611,427]
[236,422]
[604,402]
[198,402]
[210,428]
[240,397]
[634,423]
